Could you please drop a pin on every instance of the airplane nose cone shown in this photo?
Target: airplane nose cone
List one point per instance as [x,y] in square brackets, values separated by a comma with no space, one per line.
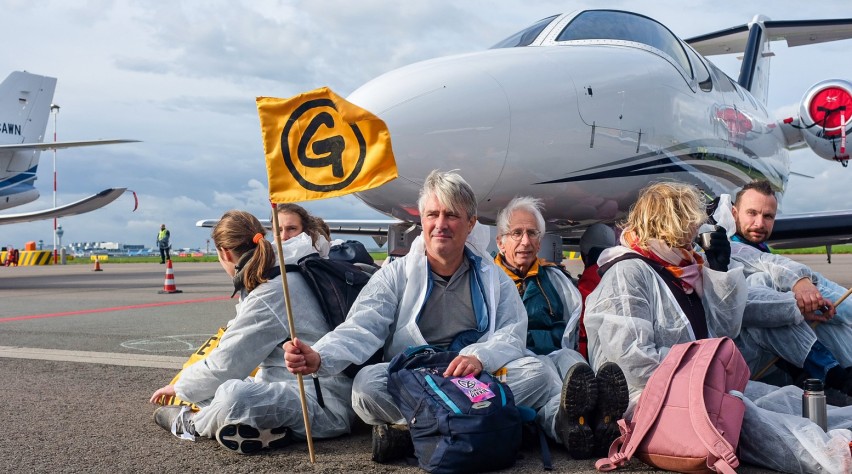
[443,114]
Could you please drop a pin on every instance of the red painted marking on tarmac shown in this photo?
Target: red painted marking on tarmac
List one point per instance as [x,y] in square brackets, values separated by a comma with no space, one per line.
[114,308]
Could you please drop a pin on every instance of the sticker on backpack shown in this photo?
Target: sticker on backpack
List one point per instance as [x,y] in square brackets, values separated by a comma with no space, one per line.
[473,389]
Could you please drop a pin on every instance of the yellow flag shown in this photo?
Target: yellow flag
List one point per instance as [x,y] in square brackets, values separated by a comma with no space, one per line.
[318,146]
[200,354]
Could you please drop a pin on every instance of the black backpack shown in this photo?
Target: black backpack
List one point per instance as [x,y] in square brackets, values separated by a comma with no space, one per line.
[336,284]
[457,424]
[351,251]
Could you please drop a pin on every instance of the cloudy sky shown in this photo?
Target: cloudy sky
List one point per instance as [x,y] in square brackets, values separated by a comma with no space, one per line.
[182,76]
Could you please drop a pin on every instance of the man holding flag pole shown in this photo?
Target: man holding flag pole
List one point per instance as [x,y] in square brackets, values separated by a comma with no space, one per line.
[445,292]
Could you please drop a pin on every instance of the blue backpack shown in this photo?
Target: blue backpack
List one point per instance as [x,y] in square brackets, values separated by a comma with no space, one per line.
[457,424]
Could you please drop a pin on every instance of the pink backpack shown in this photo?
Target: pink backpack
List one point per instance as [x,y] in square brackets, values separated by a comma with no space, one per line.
[686,420]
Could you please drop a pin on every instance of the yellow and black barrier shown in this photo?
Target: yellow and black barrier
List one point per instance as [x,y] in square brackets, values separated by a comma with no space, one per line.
[29,258]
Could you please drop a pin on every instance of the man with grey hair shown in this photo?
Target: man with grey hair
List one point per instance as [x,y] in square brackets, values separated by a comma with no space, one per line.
[583,408]
[445,292]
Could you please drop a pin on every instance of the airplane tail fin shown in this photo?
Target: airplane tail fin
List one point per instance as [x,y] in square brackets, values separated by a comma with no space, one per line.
[25,101]
[753,40]
[754,71]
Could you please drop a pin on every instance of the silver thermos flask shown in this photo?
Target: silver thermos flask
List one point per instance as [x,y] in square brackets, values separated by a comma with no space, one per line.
[813,403]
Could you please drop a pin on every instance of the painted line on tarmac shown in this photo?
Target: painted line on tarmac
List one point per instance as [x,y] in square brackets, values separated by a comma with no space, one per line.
[114,308]
[90,357]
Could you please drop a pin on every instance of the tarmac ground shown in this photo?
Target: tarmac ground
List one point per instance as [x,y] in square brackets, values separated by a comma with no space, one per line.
[82,351]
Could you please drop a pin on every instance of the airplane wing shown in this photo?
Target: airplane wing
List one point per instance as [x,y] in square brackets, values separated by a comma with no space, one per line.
[813,229]
[84,205]
[377,229]
[794,32]
[60,145]
[337,226]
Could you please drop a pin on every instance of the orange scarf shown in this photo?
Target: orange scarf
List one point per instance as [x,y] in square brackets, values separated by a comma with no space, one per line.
[520,281]
[684,263]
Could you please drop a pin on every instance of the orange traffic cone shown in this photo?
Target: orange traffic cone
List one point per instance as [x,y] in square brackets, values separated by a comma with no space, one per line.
[169,286]
[97,265]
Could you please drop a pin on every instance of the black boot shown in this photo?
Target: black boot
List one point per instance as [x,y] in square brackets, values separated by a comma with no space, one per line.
[613,398]
[579,394]
[391,443]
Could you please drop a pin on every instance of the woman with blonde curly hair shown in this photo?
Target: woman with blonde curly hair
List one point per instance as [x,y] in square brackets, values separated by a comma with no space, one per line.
[659,289]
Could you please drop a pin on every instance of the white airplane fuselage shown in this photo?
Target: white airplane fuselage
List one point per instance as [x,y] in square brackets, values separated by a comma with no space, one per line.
[583,126]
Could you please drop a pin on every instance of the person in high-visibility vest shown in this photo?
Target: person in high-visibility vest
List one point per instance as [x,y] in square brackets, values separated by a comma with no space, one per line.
[163,243]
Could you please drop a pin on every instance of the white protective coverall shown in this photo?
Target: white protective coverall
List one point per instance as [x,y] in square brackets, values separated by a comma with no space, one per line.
[633,319]
[384,316]
[221,385]
[559,361]
[772,323]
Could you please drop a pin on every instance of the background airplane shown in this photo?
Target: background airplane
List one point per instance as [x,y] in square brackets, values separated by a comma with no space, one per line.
[25,107]
[584,109]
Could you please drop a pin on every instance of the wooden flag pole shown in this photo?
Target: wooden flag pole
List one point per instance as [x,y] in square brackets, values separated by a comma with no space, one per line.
[813,325]
[292,325]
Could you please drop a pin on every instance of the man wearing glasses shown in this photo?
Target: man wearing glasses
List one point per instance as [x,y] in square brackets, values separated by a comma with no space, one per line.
[584,409]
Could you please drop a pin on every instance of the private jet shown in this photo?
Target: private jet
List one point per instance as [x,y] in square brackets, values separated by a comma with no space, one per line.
[584,109]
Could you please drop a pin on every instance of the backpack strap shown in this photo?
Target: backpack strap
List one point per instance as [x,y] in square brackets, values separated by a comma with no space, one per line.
[726,459]
[690,304]
[651,403]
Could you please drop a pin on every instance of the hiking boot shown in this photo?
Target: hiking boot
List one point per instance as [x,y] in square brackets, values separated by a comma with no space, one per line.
[175,419]
[579,393]
[246,439]
[613,398]
[391,443]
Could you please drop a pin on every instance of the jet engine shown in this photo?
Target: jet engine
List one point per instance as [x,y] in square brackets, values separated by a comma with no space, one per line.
[825,117]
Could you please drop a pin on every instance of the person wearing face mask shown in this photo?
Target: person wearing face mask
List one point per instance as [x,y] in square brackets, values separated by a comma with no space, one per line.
[585,407]
[294,219]
[245,413]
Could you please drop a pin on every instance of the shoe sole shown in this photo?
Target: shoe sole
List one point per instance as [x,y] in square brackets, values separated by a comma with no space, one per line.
[613,398]
[245,439]
[577,401]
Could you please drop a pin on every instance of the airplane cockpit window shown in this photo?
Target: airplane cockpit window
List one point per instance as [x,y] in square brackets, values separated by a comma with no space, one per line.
[526,36]
[702,75]
[624,26]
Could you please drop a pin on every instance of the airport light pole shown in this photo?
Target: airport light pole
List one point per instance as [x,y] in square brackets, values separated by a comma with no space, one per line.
[55,110]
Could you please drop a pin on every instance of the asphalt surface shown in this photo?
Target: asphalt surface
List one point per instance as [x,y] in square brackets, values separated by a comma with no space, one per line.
[82,351]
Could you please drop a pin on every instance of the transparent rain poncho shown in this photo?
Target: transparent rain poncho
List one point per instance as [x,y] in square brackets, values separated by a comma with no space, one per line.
[633,320]
[221,385]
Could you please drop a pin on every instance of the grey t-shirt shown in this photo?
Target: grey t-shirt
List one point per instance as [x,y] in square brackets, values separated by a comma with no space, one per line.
[448,310]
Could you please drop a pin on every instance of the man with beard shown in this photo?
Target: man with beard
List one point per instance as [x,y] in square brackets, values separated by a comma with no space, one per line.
[784,296]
